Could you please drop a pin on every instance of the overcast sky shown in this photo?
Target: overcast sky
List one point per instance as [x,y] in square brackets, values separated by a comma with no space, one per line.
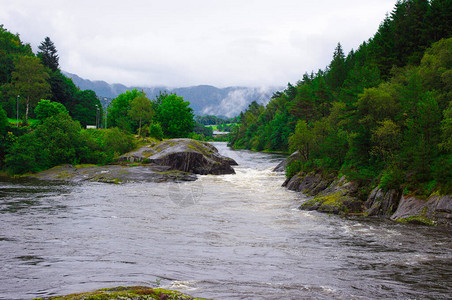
[191,42]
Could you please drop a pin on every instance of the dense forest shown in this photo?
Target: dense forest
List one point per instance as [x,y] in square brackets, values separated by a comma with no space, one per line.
[44,116]
[381,115]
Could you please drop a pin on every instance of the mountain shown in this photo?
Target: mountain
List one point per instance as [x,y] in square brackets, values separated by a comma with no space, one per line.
[204,99]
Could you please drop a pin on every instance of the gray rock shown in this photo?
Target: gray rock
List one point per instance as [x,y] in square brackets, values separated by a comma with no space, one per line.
[381,203]
[310,184]
[331,196]
[281,167]
[114,174]
[184,155]
[437,209]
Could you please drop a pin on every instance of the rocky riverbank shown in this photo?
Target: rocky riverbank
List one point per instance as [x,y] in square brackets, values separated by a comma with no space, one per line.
[170,160]
[329,194]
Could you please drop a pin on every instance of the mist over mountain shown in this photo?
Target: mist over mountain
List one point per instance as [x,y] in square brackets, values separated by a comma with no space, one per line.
[204,99]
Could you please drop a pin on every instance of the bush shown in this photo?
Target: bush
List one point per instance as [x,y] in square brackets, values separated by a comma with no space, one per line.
[155,131]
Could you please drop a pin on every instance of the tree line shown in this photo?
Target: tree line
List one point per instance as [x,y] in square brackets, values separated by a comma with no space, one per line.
[32,87]
[382,115]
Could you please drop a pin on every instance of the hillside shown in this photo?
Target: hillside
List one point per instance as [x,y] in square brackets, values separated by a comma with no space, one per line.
[204,99]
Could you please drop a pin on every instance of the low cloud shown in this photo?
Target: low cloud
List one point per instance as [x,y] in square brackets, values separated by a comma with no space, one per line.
[183,43]
[238,100]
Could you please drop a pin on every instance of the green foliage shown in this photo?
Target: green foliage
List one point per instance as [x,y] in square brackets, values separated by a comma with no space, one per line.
[29,80]
[103,146]
[46,109]
[54,142]
[175,116]
[118,111]
[60,140]
[48,55]
[365,118]
[141,111]
[200,129]
[155,131]
[293,168]
[86,108]
[10,48]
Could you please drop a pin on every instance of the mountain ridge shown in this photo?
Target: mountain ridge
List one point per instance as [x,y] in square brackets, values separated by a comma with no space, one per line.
[204,99]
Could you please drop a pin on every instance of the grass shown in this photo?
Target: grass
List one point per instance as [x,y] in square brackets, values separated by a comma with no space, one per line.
[30,121]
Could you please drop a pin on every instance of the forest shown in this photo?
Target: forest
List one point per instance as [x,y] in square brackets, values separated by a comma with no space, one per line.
[381,115]
[44,117]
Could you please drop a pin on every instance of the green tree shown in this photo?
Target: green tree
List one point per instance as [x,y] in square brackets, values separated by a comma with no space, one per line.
[86,108]
[337,69]
[302,140]
[30,81]
[46,109]
[118,111]
[175,116]
[56,141]
[10,48]
[48,54]
[141,110]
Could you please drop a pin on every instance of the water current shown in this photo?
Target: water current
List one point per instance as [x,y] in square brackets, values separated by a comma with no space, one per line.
[224,237]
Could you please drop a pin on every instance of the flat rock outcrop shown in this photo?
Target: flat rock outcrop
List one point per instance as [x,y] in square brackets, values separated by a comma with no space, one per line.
[435,210]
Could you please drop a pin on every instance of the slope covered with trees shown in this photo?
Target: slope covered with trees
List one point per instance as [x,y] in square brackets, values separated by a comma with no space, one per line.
[380,115]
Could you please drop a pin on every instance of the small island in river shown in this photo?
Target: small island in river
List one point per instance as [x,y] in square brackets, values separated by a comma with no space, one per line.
[169,160]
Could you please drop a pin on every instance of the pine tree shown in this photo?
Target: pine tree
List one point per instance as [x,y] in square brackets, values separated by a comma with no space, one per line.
[48,54]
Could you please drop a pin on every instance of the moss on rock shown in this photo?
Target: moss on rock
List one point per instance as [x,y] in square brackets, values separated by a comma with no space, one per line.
[125,293]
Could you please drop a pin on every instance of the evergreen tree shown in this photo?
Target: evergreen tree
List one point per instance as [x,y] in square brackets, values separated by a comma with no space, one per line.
[48,54]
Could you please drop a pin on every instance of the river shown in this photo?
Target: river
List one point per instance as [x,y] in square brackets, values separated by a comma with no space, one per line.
[225,237]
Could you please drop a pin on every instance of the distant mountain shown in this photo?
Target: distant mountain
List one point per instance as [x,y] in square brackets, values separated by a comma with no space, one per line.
[204,99]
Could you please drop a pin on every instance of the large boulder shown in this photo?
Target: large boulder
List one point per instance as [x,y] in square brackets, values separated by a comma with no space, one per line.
[184,155]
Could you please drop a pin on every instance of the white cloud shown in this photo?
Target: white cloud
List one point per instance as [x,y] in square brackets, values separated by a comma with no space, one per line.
[180,43]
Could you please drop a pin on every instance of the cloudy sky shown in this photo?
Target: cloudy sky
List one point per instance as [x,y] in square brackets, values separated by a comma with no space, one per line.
[191,42]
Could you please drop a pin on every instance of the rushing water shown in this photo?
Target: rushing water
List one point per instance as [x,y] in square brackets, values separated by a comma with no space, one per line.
[224,237]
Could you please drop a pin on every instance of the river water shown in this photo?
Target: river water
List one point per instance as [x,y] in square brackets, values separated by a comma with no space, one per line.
[224,237]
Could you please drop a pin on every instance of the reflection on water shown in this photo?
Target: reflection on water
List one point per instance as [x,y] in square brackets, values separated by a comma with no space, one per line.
[240,237]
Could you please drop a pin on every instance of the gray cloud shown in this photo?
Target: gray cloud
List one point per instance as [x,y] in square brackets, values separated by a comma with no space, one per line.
[238,100]
[180,43]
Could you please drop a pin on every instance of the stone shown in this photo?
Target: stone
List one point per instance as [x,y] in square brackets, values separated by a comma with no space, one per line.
[382,203]
[281,167]
[184,155]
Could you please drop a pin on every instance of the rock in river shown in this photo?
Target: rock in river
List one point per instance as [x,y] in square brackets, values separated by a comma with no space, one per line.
[170,160]
[184,155]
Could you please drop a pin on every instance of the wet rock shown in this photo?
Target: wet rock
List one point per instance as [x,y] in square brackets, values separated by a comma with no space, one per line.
[281,167]
[339,197]
[130,292]
[309,184]
[382,203]
[435,210]
[184,155]
[114,174]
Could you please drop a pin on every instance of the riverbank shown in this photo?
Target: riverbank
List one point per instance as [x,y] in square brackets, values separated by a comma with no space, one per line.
[330,194]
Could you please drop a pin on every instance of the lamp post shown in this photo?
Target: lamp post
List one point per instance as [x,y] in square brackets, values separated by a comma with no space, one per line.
[97,110]
[18,110]
[106,112]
